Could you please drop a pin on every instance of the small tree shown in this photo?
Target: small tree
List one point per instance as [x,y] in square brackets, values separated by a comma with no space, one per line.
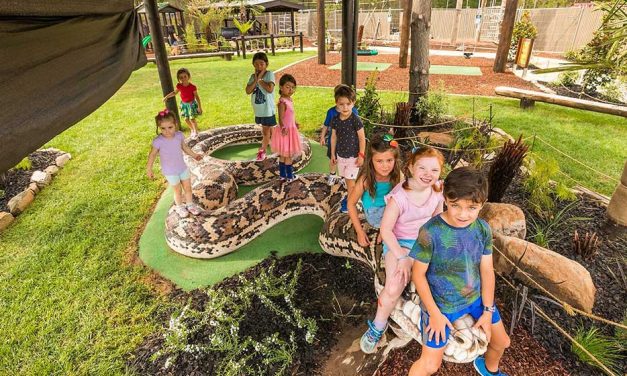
[522,29]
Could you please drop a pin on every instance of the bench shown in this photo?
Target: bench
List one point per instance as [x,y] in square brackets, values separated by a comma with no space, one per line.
[529,97]
[227,55]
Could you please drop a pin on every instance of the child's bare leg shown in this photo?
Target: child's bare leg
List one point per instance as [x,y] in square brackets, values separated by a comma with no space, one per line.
[287,160]
[267,134]
[428,363]
[194,125]
[178,196]
[187,188]
[391,291]
[189,124]
[498,343]
[332,167]
[350,184]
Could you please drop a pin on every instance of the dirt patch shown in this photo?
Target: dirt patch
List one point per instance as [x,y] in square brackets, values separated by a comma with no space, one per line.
[309,73]
[15,181]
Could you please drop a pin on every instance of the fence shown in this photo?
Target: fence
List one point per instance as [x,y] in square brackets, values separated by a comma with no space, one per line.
[559,29]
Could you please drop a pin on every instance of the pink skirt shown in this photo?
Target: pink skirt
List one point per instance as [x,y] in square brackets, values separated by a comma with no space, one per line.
[287,146]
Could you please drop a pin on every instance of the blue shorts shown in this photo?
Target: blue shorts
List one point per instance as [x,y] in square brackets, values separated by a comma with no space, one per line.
[404,243]
[176,179]
[266,121]
[475,310]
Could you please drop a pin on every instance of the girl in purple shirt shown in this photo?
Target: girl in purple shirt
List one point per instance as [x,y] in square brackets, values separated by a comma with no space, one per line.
[170,145]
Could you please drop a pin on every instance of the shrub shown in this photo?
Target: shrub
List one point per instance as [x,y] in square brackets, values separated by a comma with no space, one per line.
[505,167]
[567,79]
[572,55]
[612,92]
[544,228]
[603,348]
[522,29]
[433,106]
[193,43]
[368,103]
[540,188]
[25,164]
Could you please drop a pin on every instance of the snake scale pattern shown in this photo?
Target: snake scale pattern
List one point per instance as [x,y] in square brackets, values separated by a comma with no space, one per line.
[228,223]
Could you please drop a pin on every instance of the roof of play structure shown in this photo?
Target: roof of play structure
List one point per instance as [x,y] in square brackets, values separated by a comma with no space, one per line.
[59,61]
[268,5]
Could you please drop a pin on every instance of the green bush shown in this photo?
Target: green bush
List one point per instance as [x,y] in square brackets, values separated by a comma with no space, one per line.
[540,188]
[603,348]
[572,55]
[612,92]
[433,106]
[368,103]
[25,164]
[522,29]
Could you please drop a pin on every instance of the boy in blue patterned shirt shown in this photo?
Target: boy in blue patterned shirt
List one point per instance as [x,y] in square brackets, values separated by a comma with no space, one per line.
[454,274]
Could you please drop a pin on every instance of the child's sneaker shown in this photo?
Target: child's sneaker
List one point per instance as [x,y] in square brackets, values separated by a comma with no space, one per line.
[479,364]
[261,155]
[344,206]
[194,134]
[370,339]
[181,210]
[194,209]
[332,179]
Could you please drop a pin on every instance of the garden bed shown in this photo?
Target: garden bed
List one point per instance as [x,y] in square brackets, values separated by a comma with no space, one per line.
[576,91]
[17,180]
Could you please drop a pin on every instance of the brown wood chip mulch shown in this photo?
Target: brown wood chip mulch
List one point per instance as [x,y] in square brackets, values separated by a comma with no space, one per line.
[309,73]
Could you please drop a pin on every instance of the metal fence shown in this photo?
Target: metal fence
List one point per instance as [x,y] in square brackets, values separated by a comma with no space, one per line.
[559,29]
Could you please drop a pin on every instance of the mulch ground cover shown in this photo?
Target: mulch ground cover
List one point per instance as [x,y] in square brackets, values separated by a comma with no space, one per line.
[576,91]
[309,73]
[327,286]
[607,269]
[15,181]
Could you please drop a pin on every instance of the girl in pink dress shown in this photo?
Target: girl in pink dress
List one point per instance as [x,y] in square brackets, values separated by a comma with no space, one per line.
[285,139]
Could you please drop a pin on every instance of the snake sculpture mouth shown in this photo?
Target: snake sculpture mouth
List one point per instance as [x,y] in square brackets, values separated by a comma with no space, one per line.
[228,223]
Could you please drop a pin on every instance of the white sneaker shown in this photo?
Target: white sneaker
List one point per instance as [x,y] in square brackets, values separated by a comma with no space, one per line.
[181,210]
[194,134]
[194,209]
[331,179]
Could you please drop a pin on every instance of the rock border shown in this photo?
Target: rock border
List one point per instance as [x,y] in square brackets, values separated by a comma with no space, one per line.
[38,181]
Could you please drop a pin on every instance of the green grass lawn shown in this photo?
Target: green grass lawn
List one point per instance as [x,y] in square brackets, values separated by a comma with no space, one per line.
[70,300]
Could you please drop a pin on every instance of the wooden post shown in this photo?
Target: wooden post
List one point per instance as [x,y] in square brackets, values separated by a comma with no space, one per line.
[402,57]
[350,12]
[161,56]
[293,29]
[272,43]
[236,45]
[478,37]
[300,36]
[243,48]
[458,16]
[322,57]
[419,62]
[505,36]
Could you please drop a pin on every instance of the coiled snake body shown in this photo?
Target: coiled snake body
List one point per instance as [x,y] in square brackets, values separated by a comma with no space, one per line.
[229,223]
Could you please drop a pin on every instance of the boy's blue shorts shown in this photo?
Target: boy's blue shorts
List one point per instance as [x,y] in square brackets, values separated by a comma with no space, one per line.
[475,310]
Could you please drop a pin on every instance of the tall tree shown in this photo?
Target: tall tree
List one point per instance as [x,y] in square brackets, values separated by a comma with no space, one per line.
[322,58]
[505,36]
[402,57]
[419,62]
[458,16]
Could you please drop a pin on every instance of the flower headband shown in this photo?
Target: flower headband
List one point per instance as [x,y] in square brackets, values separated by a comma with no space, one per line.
[164,112]
[390,139]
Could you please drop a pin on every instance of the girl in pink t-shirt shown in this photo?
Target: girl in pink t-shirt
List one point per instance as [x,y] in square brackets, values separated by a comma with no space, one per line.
[285,139]
[190,101]
[409,205]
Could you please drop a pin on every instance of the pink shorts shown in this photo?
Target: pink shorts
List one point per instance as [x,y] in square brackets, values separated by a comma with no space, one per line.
[346,168]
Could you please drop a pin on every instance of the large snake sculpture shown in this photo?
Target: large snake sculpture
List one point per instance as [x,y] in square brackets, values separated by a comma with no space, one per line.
[228,223]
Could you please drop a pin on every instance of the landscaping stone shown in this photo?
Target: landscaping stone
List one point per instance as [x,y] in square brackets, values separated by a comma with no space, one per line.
[62,159]
[21,201]
[51,170]
[34,187]
[616,208]
[505,219]
[5,220]
[444,139]
[568,280]
[501,135]
[41,178]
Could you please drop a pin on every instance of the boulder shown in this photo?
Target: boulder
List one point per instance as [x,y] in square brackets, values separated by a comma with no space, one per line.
[568,280]
[41,178]
[20,201]
[5,220]
[34,187]
[62,159]
[504,219]
[501,136]
[444,139]
[51,170]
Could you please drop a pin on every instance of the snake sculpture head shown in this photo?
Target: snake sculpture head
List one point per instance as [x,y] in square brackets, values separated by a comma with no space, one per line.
[228,223]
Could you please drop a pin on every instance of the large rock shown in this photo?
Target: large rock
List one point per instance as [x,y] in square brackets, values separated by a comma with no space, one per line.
[568,280]
[20,201]
[444,139]
[617,208]
[504,219]
[5,220]
[51,170]
[62,159]
[41,178]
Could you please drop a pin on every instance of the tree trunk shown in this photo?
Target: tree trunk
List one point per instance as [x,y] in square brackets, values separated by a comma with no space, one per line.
[478,34]
[458,16]
[322,31]
[402,57]
[505,36]
[617,209]
[161,55]
[419,62]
